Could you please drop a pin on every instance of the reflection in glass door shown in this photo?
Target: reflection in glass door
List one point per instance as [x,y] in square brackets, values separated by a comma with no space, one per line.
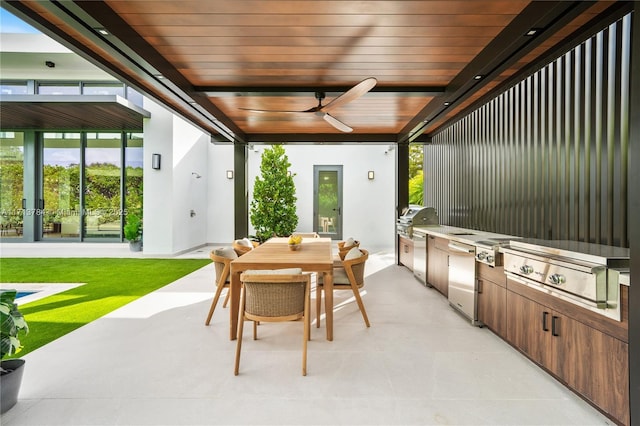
[103,167]
[134,161]
[327,201]
[61,185]
[11,184]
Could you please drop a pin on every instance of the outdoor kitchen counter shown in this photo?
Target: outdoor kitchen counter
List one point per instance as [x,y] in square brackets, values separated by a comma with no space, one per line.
[461,235]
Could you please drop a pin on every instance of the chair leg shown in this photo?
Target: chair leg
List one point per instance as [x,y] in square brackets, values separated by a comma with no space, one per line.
[240,329]
[318,304]
[306,335]
[356,293]
[213,304]
[255,330]
[226,299]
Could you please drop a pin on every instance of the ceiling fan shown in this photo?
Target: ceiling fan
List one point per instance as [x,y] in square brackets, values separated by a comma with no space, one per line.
[323,110]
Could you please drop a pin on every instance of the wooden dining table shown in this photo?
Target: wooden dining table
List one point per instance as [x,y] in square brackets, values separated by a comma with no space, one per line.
[315,255]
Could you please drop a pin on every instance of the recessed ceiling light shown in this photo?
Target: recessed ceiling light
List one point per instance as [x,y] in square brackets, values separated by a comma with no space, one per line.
[102,31]
[532,32]
[478,77]
[447,103]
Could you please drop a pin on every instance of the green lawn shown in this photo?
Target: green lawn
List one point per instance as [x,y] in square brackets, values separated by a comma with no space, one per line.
[110,284]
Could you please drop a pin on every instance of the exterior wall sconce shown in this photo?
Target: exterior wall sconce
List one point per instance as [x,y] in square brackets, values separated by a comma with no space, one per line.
[229,174]
[371,175]
[155,161]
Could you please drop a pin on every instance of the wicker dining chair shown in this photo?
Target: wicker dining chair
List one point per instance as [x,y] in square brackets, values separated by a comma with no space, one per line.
[343,249]
[348,276]
[244,246]
[275,296]
[221,258]
[307,234]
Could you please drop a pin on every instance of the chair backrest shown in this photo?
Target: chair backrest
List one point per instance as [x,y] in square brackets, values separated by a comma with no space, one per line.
[275,295]
[343,250]
[243,246]
[307,234]
[355,267]
[222,258]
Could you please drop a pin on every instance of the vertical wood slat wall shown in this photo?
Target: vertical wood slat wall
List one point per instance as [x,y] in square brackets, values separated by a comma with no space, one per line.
[548,157]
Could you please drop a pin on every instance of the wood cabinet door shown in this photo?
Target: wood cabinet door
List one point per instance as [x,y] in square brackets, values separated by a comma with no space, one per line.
[592,363]
[492,306]
[528,328]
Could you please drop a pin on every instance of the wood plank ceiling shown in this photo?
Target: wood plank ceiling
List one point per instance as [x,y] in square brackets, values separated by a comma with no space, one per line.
[209,59]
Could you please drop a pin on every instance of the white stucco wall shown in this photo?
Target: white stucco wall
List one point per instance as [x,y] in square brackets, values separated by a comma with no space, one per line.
[220,220]
[174,191]
[190,168]
[369,205]
[158,184]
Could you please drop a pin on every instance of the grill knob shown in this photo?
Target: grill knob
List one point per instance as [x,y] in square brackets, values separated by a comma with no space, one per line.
[526,269]
[482,255]
[557,279]
[490,259]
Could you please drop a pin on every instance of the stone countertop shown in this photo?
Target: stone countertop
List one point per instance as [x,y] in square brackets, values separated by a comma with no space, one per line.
[473,236]
[461,235]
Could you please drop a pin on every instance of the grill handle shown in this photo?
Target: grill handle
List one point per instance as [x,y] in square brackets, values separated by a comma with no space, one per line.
[461,248]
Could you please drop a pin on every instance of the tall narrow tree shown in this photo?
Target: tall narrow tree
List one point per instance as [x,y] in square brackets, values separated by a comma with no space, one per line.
[273,207]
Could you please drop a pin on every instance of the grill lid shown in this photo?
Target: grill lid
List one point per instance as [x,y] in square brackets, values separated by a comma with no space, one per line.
[611,257]
[418,215]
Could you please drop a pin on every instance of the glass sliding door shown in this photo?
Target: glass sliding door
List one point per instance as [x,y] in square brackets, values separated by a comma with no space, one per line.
[102,185]
[11,184]
[327,203]
[134,161]
[61,185]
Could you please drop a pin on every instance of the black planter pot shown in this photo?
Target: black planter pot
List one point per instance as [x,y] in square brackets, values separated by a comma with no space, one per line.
[10,382]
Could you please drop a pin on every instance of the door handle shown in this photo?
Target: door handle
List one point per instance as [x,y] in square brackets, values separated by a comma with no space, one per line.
[544,321]
[554,326]
[338,210]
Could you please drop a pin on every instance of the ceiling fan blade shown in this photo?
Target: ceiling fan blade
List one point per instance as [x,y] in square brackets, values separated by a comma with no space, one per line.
[352,94]
[314,109]
[337,123]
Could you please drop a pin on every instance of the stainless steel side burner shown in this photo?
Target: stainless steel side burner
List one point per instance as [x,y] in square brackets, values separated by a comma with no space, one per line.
[488,251]
[582,273]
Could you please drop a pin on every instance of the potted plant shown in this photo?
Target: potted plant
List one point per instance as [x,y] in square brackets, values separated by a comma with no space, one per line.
[133,232]
[273,208]
[12,324]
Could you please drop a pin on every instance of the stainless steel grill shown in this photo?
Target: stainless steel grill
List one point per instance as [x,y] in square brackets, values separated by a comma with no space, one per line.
[582,273]
[416,216]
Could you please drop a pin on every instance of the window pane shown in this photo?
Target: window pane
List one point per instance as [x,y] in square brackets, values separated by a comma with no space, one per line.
[134,96]
[134,163]
[45,89]
[61,186]
[11,184]
[103,89]
[13,89]
[102,185]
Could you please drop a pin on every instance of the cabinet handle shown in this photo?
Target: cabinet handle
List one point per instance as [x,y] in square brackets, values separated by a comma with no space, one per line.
[554,327]
[406,248]
[479,286]
[544,321]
